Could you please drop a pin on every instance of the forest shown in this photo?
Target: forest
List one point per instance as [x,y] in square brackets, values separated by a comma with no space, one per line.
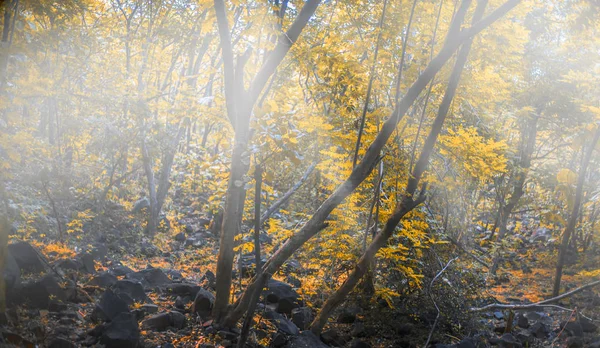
[300,173]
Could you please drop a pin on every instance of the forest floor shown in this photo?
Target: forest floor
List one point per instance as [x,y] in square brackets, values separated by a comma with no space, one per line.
[122,290]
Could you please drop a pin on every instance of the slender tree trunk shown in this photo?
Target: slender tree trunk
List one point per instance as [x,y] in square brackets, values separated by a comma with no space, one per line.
[573,218]
[362,170]
[407,202]
[239,104]
[257,225]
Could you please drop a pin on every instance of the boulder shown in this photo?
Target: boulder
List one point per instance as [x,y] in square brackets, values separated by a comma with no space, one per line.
[282,323]
[163,321]
[120,270]
[151,277]
[38,293]
[302,317]
[59,342]
[183,289]
[27,257]
[133,290]
[203,302]
[103,280]
[88,264]
[110,306]
[122,332]
[277,290]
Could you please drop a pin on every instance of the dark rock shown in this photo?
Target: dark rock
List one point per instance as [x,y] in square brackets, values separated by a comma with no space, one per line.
[209,280]
[302,317]
[110,306]
[88,263]
[65,265]
[57,306]
[285,306]
[595,343]
[180,237]
[27,257]
[158,322]
[508,341]
[587,325]
[227,335]
[348,315]
[134,290]
[522,321]
[306,340]
[120,270]
[539,330]
[150,308]
[142,203]
[152,277]
[467,343]
[282,323]
[278,340]
[149,249]
[183,289]
[177,320]
[61,343]
[332,338]
[277,290]
[103,280]
[203,302]
[573,328]
[38,294]
[525,337]
[575,342]
[181,302]
[122,332]
[498,315]
[359,344]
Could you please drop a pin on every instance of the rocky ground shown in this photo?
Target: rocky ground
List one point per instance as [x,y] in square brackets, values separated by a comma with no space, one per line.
[120,290]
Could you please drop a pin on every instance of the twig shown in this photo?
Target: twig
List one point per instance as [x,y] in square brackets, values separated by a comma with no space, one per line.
[437,317]
[564,326]
[544,303]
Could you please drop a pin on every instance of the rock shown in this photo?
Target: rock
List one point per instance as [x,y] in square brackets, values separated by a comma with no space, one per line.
[573,328]
[103,280]
[183,289]
[277,290]
[282,323]
[177,319]
[27,257]
[142,203]
[12,272]
[575,342]
[522,321]
[61,343]
[134,290]
[499,315]
[359,344]
[209,280]
[278,340]
[332,338]
[158,322]
[150,277]
[150,308]
[38,294]
[180,237]
[302,317]
[295,282]
[120,270]
[149,249]
[348,315]
[88,263]
[525,337]
[467,343]
[285,306]
[587,325]
[109,307]
[203,302]
[539,330]
[306,340]
[595,343]
[66,265]
[122,332]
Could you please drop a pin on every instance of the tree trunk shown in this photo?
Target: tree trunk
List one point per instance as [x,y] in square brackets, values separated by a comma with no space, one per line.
[407,202]
[362,170]
[573,218]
